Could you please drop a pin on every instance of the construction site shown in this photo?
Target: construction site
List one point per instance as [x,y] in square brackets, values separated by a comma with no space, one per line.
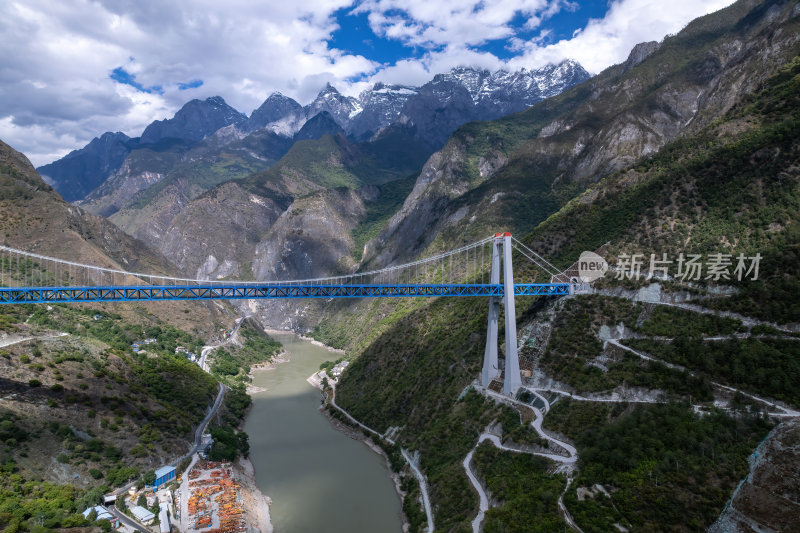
[214,499]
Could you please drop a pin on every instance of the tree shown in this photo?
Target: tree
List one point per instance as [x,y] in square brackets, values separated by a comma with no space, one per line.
[149,477]
[243,443]
[142,501]
[184,465]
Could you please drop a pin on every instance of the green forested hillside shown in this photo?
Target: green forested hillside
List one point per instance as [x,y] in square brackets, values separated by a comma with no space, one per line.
[334,161]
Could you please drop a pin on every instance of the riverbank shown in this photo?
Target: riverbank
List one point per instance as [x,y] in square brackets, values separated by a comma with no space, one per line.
[256,503]
[251,389]
[358,435]
[315,342]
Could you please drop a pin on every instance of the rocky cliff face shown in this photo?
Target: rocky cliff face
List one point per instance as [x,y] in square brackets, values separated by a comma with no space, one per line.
[381,105]
[120,189]
[321,124]
[35,218]
[81,171]
[214,237]
[768,499]
[341,108]
[311,239]
[230,232]
[466,94]
[485,177]
[195,121]
[278,113]
[240,226]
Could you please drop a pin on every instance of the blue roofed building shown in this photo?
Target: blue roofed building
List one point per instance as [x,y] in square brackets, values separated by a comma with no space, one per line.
[163,475]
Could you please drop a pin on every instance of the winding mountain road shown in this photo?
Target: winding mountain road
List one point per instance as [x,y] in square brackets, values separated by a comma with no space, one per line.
[483,504]
[568,462]
[785,411]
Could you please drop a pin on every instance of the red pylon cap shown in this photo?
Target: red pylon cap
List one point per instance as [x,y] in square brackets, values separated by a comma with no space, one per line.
[507,234]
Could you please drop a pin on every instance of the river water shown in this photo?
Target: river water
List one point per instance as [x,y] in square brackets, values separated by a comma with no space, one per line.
[318,478]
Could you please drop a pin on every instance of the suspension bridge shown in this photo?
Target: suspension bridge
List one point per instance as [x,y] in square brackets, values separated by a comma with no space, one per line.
[469,271]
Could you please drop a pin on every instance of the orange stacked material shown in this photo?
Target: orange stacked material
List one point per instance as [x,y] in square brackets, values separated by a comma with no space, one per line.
[212,482]
[197,503]
[203,483]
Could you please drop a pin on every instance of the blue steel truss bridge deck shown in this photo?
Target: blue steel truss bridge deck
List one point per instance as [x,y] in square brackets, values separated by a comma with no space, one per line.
[216,291]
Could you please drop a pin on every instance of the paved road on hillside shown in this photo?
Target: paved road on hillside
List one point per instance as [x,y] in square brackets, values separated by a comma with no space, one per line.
[198,435]
[128,521]
[207,349]
[13,339]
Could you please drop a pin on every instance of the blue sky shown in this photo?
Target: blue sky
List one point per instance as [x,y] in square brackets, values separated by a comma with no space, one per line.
[356,36]
[73,69]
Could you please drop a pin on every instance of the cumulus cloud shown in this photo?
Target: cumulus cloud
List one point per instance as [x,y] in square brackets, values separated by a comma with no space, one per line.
[607,41]
[57,90]
[457,23]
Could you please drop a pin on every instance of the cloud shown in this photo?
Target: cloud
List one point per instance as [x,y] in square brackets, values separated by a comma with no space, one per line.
[457,23]
[72,69]
[421,70]
[607,41]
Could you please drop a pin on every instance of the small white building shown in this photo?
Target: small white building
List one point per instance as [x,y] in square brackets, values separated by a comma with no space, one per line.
[143,515]
[163,517]
[102,512]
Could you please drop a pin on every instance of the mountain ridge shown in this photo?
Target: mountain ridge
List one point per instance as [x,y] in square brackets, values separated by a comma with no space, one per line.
[362,118]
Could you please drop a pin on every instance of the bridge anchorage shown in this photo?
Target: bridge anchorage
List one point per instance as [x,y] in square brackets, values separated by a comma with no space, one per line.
[27,277]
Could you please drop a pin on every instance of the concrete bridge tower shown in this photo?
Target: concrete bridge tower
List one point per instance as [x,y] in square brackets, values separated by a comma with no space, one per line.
[512,381]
